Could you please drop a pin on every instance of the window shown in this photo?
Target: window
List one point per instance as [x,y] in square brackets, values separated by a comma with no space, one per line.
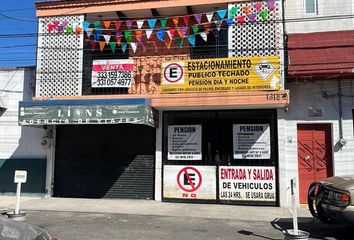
[311,6]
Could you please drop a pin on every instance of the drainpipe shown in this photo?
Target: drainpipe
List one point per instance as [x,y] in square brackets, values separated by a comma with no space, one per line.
[342,141]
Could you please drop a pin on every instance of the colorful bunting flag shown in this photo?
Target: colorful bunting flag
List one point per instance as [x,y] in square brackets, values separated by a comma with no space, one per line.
[107,38]
[191,40]
[85,25]
[123,46]
[148,33]
[198,17]
[246,9]
[70,29]
[151,22]
[252,17]
[180,42]
[97,24]
[138,35]
[160,33]
[127,36]
[118,39]
[221,13]
[271,5]
[210,16]
[195,29]
[186,19]
[204,35]
[97,34]
[233,12]
[107,24]
[171,33]
[140,23]
[102,45]
[258,6]
[117,24]
[134,46]
[229,21]
[113,46]
[129,23]
[168,43]
[175,20]
[163,22]
[240,19]
[184,31]
[264,14]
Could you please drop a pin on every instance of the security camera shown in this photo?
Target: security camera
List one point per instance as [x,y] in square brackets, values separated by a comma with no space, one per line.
[44,142]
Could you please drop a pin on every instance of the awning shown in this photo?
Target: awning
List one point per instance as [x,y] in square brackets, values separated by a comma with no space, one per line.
[98,111]
[321,55]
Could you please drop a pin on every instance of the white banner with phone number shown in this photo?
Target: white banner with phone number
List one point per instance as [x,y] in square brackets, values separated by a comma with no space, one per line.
[112,73]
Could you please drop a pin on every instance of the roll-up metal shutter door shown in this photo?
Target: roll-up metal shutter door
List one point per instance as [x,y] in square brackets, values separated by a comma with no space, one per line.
[104,161]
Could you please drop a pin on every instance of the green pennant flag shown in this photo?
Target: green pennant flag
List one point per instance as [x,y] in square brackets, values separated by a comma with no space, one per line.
[69,29]
[163,22]
[195,29]
[127,36]
[97,24]
[113,46]
[264,14]
[233,12]
[180,42]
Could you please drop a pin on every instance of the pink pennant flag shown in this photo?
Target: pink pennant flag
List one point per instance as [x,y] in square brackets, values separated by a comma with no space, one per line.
[184,31]
[171,33]
[240,19]
[186,19]
[258,6]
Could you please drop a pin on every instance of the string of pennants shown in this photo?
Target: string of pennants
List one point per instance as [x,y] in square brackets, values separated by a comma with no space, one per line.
[121,33]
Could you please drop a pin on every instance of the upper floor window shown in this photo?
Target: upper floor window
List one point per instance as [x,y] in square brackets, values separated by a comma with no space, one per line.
[310,6]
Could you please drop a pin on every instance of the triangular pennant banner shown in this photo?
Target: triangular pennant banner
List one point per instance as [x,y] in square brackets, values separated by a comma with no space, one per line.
[118,39]
[271,4]
[107,38]
[148,33]
[264,15]
[186,19]
[97,24]
[152,22]
[160,33]
[258,6]
[140,23]
[92,44]
[98,34]
[64,24]
[113,46]
[240,19]
[138,35]
[102,45]
[180,42]
[123,46]
[246,9]
[129,24]
[163,22]
[85,25]
[78,30]
[218,25]
[134,46]
[229,21]
[198,17]
[195,29]
[184,31]
[117,24]
[168,43]
[175,20]
[106,24]
[191,40]
[233,12]
[221,13]
[89,31]
[210,16]
[70,29]
[204,35]
[171,33]
[252,17]
[127,36]
[118,34]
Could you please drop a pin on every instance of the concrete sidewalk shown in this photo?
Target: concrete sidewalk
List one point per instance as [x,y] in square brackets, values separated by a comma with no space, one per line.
[149,207]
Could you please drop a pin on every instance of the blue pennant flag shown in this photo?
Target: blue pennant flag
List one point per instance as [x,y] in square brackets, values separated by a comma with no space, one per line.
[160,33]
[123,46]
[191,40]
[230,21]
[152,22]
[85,25]
[221,13]
[97,35]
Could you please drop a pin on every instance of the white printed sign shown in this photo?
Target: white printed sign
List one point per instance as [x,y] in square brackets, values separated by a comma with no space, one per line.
[111,73]
[173,73]
[247,183]
[20,176]
[251,141]
[184,142]
[189,182]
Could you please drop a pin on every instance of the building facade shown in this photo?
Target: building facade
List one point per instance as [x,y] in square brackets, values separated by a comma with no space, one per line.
[180,102]
[319,122]
[20,147]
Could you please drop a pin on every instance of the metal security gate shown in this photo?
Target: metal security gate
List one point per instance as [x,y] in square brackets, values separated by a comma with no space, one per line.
[105,161]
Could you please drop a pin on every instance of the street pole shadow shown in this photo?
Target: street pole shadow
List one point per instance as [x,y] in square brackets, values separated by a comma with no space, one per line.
[317,230]
[249,233]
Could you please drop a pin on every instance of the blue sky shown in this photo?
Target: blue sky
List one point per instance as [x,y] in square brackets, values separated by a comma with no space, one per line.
[17,17]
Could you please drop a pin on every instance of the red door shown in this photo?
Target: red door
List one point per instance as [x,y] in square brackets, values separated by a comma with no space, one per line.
[314,155]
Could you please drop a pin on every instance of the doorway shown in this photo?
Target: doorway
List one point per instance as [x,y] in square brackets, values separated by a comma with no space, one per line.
[314,155]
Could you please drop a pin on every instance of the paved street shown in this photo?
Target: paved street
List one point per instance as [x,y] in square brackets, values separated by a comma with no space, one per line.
[107,219]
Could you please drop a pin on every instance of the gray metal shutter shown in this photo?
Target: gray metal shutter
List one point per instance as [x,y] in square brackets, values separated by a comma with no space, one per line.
[105,161]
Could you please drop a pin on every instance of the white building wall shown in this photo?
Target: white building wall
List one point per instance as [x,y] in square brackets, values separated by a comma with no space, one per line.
[331,16]
[17,84]
[317,95]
